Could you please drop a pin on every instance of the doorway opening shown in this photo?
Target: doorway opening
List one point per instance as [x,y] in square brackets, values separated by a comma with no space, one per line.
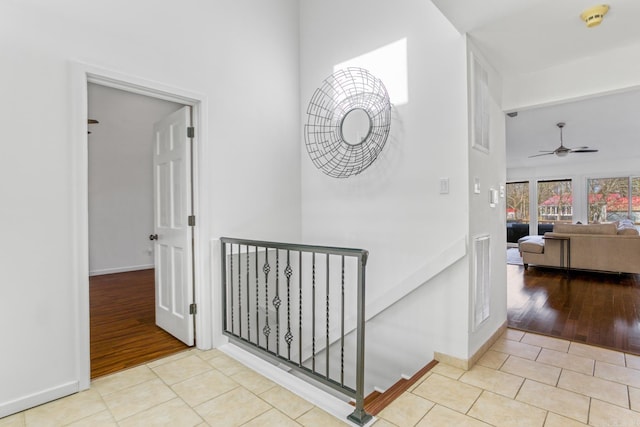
[122,261]
[203,247]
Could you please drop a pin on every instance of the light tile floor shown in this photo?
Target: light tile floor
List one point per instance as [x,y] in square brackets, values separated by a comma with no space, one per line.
[191,388]
[523,380]
[526,380]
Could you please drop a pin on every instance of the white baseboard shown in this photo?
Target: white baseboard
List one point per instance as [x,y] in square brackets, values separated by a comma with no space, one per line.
[319,398]
[35,399]
[120,269]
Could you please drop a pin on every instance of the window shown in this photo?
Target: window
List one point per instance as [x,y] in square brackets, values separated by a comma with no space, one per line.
[555,203]
[517,210]
[614,199]
[518,202]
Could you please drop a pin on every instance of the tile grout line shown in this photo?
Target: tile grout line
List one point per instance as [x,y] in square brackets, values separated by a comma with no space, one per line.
[478,398]
[132,386]
[176,395]
[558,379]
[271,406]
[519,389]
[504,361]
[113,417]
[593,397]
[425,414]
[158,404]
[474,402]
[546,417]
[261,414]
[548,410]
[305,413]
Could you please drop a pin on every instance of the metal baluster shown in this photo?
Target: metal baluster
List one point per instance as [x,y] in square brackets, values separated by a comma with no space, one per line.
[266,269]
[313,311]
[239,290]
[257,302]
[231,285]
[288,337]
[300,309]
[342,328]
[248,310]
[327,320]
[276,302]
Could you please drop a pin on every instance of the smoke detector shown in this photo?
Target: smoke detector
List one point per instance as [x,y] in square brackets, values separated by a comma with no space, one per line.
[594,15]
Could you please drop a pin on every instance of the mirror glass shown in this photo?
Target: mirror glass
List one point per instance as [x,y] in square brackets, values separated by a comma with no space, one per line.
[355,126]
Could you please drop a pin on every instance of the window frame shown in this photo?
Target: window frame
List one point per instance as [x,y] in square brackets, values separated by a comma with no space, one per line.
[556,210]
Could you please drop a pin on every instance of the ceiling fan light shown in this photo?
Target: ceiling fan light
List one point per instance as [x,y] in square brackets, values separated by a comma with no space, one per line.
[593,16]
[561,153]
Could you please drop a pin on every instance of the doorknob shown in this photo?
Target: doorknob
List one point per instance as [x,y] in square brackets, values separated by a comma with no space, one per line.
[153,237]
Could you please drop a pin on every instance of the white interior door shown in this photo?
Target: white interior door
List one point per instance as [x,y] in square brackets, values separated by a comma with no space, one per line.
[172,207]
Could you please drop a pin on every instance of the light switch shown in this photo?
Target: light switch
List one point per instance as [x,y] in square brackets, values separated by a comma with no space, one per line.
[444,185]
[476,185]
[493,197]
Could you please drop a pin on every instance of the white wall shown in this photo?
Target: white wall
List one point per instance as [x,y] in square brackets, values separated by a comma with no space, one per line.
[121,178]
[394,209]
[241,55]
[484,219]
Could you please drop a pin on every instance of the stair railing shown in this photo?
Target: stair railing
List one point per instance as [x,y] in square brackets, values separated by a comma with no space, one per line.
[287,302]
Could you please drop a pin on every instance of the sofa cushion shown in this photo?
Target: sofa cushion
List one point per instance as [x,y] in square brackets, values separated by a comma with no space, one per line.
[534,244]
[607,229]
[628,232]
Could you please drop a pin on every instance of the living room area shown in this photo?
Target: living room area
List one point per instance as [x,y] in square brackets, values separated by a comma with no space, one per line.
[572,219]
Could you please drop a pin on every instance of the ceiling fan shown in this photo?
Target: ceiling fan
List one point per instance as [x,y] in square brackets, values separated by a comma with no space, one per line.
[562,151]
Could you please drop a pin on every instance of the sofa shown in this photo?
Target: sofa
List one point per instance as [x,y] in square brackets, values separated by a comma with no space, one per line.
[599,247]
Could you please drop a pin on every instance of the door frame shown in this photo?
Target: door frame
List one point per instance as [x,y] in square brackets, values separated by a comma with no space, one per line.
[81,75]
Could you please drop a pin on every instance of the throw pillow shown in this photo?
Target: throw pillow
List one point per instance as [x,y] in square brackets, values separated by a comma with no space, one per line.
[625,224]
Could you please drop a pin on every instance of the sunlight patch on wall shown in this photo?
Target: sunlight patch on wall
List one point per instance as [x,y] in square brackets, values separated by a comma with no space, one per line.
[389,64]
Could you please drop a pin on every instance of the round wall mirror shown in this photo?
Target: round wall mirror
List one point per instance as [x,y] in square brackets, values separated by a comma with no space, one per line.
[355,126]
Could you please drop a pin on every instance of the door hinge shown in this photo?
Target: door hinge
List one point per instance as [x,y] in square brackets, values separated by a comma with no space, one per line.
[192,220]
[193,309]
[191,132]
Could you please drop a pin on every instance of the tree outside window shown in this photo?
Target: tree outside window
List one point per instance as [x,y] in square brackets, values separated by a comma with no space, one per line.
[518,202]
[609,199]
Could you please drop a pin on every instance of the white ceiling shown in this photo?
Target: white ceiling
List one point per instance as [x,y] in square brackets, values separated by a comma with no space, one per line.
[608,123]
[529,35]
[520,36]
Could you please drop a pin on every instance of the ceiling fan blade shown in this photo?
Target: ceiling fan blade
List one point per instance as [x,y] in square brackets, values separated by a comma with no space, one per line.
[584,151]
[543,154]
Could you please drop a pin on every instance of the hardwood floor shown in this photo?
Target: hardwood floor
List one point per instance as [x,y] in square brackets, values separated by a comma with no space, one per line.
[593,308]
[123,329]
